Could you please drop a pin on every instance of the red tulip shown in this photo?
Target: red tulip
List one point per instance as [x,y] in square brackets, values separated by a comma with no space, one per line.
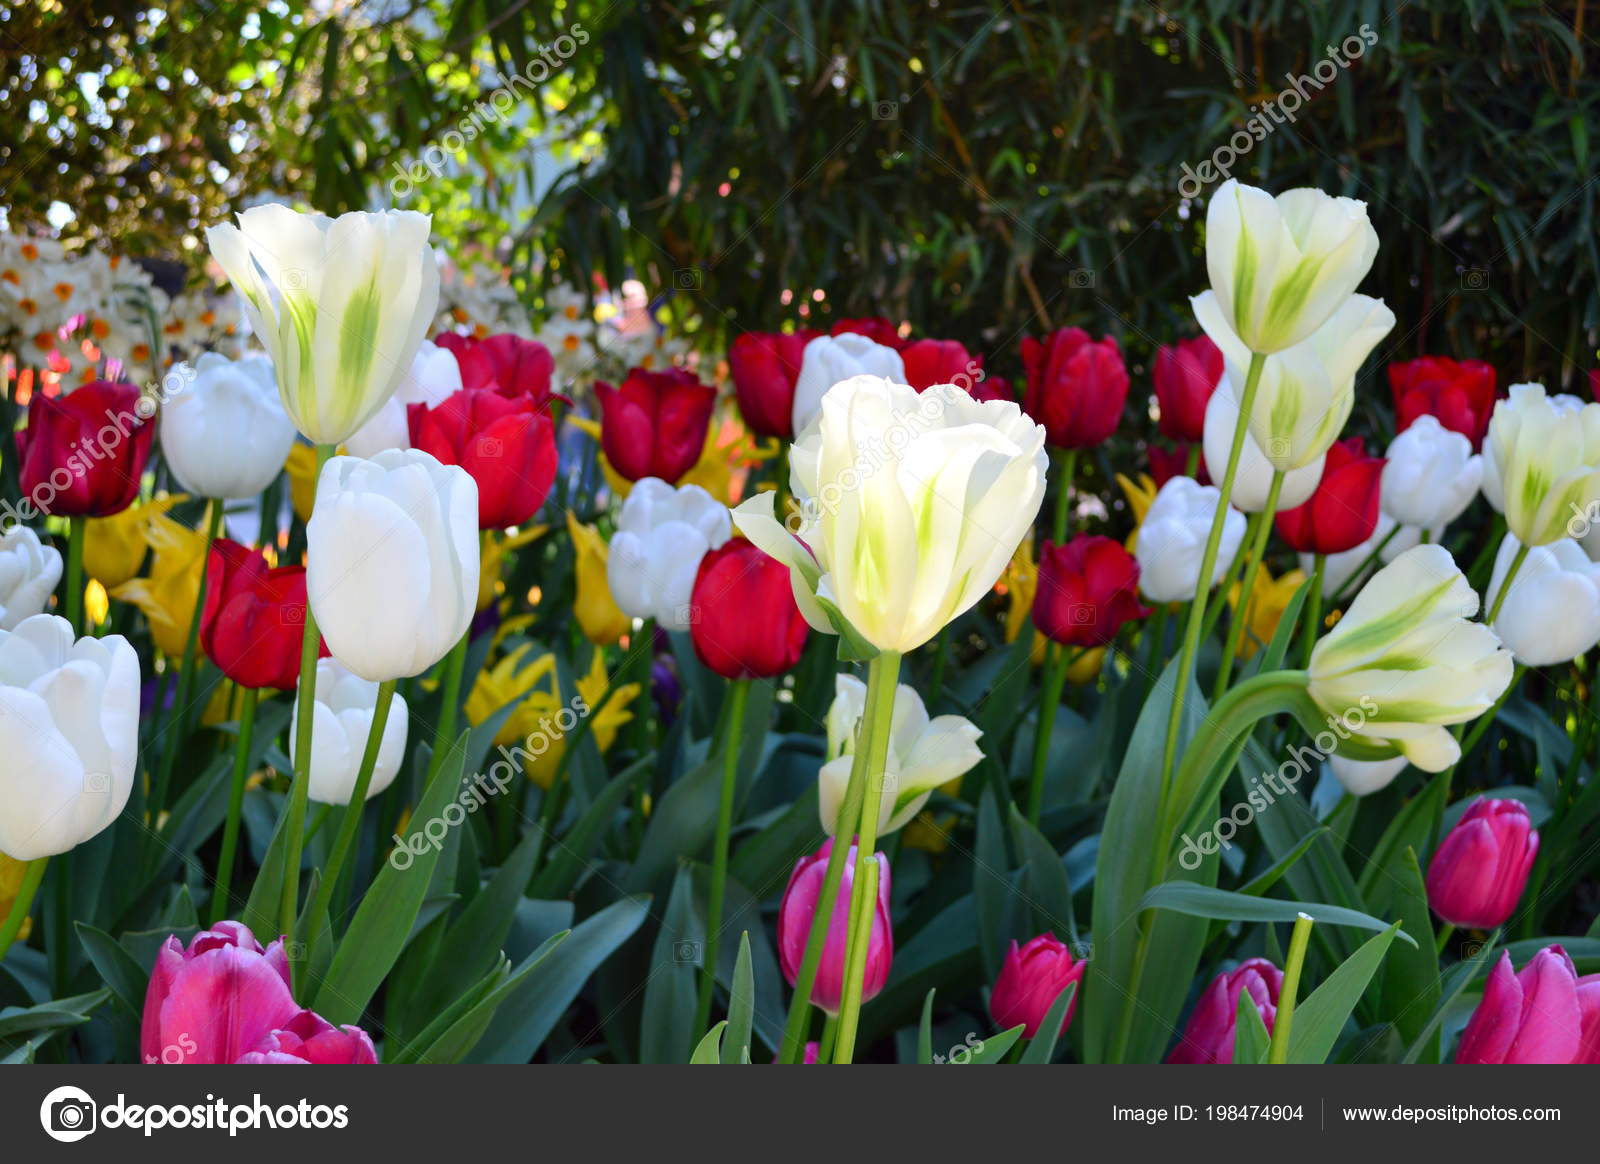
[1208,1037]
[213,1002]
[1480,869]
[1166,464]
[799,906]
[1076,386]
[933,361]
[743,619]
[1186,374]
[1460,393]
[655,425]
[1343,512]
[992,388]
[253,618]
[764,365]
[1031,980]
[1087,589]
[82,454]
[875,327]
[505,443]
[310,1038]
[1544,1014]
[507,363]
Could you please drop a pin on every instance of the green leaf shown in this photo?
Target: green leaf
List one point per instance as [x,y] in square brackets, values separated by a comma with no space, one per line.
[1250,1037]
[741,1004]
[994,1049]
[925,1030]
[451,1037]
[1043,1046]
[117,968]
[991,886]
[709,1049]
[1049,892]
[1322,1016]
[1207,901]
[1410,982]
[671,989]
[573,853]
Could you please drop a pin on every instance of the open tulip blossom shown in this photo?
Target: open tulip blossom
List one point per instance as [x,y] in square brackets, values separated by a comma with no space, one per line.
[29,571]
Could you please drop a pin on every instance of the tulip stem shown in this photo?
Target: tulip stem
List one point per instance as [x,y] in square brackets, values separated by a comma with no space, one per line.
[178,728]
[230,832]
[305,701]
[1446,932]
[74,595]
[32,874]
[733,733]
[444,734]
[883,676]
[1057,664]
[1314,608]
[1354,577]
[350,823]
[830,1035]
[1505,586]
[1066,469]
[1278,1050]
[1247,587]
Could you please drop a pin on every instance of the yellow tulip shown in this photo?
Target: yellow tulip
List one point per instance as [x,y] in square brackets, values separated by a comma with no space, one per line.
[1085,666]
[11,874]
[1141,494]
[929,833]
[114,547]
[96,603]
[495,547]
[602,622]
[167,596]
[1020,581]
[302,468]
[1268,600]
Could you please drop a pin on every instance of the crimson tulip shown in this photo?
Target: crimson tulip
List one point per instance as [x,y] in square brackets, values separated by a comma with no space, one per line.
[1480,869]
[875,327]
[506,444]
[1031,980]
[934,361]
[991,388]
[1343,512]
[743,619]
[1186,374]
[799,906]
[82,454]
[507,363]
[1461,393]
[1543,1014]
[253,617]
[1076,386]
[1208,1036]
[655,425]
[1087,589]
[764,366]
[1166,464]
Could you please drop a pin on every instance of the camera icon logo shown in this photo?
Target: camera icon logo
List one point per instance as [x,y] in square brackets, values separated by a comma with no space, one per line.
[294,279]
[292,615]
[886,111]
[68,1114]
[1474,279]
[686,951]
[688,279]
[1081,279]
[490,448]
[1082,613]
[98,783]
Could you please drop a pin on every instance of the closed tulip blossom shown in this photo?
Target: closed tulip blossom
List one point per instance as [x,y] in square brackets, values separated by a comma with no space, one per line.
[392,561]
[743,621]
[310,1038]
[1430,475]
[1186,374]
[252,621]
[1541,463]
[434,376]
[1481,867]
[341,721]
[1551,614]
[655,425]
[505,443]
[505,363]
[1172,540]
[82,454]
[226,434]
[875,327]
[765,367]
[1460,394]
[1252,477]
[1208,1037]
[69,729]
[1031,979]
[29,571]
[832,359]
[1343,512]
[654,557]
[935,361]
[1076,386]
[1364,777]
[795,914]
[1544,1013]
[1087,589]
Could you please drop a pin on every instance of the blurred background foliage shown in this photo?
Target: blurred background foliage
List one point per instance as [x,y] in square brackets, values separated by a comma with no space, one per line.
[982,168]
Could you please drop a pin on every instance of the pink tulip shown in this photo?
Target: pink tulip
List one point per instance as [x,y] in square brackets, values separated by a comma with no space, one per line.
[310,1038]
[1029,983]
[799,906]
[1480,869]
[1544,1014]
[1209,1036]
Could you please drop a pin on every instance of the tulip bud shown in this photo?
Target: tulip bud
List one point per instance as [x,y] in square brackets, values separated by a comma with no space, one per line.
[505,443]
[1209,1035]
[743,620]
[832,359]
[1551,614]
[215,1000]
[1543,1014]
[654,557]
[1343,512]
[1031,980]
[434,376]
[1459,395]
[1172,540]
[226,434]
[1086,590]
[935,361]
[1479,870]
[1186,374]
[765,367]
[1076,386]
[69,729]
[504,363]
[393,557]
[82,454]
[654,425]
[1541,463]
[1431,475]
[799,906]
[29,571]
[252,622]
[875,327]
[341,720]
[1252,477]
[1364,777]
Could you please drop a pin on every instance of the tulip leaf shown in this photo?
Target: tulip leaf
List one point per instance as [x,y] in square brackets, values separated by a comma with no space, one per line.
[741,1004]
[1049,891]
[1410,981]
[49,1017]
[1250,1037]
[261,909]
[117,968]
[572,853]
[1210,902]
[451,1037]
[1319,1020]
[925,1029]
[1042,1048]
[1411,829]
[674,973]
[1452,983]
[991,886]
[709,1049]
[991,1050]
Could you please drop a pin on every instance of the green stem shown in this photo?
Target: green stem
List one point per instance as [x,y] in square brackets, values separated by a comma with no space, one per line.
[1057,663]
[1224,584]
[444,733]
[179,728]
[830,1035]
[74,594]
[1314,608]
[865,886]
[1156,631]
[22,903]
[1066,469]
[61,925]
[230,832]
[1446,932]
[1354,577]
[1278,1051]
[1505,586]
[1247,587]
[1192,462]
[350,823]
[733,732]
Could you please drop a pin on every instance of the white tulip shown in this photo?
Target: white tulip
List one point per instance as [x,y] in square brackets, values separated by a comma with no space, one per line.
[1280,267]
[923,755]
[340,723]
[662,533]
[340,303]
[829,359]
[911,506]
[225,434]
[29,571]
[1431,476]
[69,730]
[1306,392]
[1551,614]
[1364,777]
[433,377]
[1337,569]
[1541,464]
[392,561]
[1252,478]
[1172,540]
[1406,661]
